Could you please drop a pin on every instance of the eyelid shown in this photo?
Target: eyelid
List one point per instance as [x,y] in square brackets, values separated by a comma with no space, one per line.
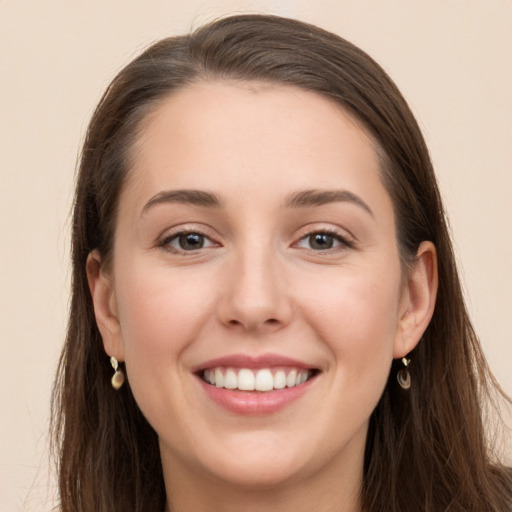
[174,233]
[343,236]
[346,239]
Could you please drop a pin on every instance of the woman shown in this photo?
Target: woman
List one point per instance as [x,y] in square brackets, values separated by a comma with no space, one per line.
[261,265]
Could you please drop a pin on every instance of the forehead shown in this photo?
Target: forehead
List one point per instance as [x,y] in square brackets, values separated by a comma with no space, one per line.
[240,136]
[248,106]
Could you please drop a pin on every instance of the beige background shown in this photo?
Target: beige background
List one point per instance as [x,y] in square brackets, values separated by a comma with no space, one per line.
[451,59]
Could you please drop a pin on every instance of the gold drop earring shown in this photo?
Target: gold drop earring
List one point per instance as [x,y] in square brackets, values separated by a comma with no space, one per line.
[403,376]
[118,377]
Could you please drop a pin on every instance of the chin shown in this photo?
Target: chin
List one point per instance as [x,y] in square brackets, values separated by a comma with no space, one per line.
[260,462]
[257,475]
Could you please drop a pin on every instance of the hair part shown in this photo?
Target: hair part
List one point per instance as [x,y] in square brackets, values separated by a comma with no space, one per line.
[431,440]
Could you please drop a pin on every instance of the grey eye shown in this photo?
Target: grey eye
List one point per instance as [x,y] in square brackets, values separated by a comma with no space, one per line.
[190,241]
[187,241]
[322,241]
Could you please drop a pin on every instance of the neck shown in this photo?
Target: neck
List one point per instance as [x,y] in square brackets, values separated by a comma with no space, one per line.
[223,498]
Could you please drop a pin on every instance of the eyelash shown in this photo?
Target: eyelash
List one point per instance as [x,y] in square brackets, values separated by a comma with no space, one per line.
[343,243]
[337,237]
[166,242]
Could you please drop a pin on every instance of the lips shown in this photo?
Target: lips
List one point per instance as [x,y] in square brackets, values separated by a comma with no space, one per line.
[255,385]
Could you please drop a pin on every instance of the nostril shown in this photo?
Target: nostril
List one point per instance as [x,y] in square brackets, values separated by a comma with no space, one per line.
[271,322]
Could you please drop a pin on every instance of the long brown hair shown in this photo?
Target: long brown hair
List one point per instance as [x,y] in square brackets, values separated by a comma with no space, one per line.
[427,448]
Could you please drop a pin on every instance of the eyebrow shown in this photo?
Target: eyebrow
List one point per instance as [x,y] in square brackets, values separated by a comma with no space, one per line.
[301,199]
[187,196]
[309,198]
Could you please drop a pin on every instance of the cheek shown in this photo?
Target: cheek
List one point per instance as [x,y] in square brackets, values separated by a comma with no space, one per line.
[160,312]
[358,321]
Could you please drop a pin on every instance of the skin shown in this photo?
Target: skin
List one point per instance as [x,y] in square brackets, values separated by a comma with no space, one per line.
[258,286]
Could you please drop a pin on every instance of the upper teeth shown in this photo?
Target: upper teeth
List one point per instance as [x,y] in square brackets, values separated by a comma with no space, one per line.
[263,379]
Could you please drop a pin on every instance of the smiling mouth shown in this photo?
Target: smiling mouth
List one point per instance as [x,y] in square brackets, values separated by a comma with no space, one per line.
[262,379]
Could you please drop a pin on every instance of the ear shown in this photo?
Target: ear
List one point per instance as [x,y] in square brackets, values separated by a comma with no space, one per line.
[104,303]
[419,299]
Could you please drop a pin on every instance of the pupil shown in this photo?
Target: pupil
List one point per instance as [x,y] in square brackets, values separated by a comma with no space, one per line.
[321,241]
[191,241]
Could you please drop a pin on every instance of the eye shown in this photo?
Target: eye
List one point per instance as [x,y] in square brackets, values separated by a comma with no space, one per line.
[187,241]
[322,241]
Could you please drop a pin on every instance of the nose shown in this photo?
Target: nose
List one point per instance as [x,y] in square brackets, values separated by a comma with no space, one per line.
[254,293]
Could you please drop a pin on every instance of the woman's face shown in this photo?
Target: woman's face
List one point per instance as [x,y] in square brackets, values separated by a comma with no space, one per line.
[255,247]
